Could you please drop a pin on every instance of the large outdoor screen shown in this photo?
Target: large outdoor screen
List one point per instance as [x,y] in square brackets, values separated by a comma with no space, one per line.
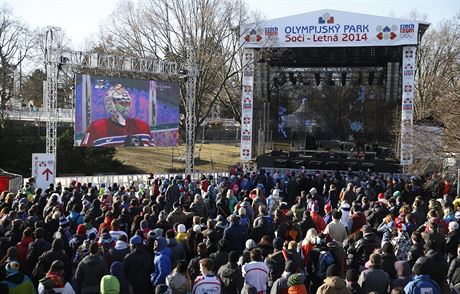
[119,112]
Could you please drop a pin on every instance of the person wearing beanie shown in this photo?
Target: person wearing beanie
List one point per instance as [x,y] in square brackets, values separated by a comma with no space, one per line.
[296,284]
[78,239]
[161,263]
[255,273]
[246,257]
[15,281]
[230,274]
[181,233]
[90,271]
[345,209]
[275,261]
[177,215]
[235,235]
[245,222]
[281,285]
[273,201]
[333,284]
[402,243]
[199,207]
[374,278]
[46,259]
[137,265]
[352,277]
[335,229]
[327,213]
[110,285]
[37,247]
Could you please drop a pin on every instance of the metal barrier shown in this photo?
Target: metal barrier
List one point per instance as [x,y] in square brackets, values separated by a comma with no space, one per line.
[343,173]
[39,114]
[126,179]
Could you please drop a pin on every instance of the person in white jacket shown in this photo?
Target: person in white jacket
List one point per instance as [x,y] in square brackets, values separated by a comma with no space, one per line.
[54,280]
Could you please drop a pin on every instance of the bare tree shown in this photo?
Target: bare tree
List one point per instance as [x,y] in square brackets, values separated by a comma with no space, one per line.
[16,44]
[166,28]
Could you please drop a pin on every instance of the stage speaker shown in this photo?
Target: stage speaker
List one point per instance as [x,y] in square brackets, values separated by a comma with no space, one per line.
[392,81]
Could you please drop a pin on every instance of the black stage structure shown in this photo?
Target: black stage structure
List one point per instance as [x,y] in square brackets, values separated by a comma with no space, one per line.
[328,106]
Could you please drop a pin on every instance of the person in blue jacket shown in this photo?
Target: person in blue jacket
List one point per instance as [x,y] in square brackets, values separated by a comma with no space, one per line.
[161,263]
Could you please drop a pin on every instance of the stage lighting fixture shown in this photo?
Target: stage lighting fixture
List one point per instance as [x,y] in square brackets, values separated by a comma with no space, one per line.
[360,78]
[317,79]
[370,79]
[381,80]
[344,78]
[330,81]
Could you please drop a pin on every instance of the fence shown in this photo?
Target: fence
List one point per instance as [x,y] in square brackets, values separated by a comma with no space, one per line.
[343,173]
[126,179]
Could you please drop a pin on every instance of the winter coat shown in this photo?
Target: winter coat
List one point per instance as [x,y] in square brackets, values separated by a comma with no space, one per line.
[161,263]
[374,279]
[263,225]
[275,263]
[199,209]
[138,266]
[454,272]
[177,216]
[76,241]
[47,258]
[281,285]
[177,251]
[220,258]
[388,264]
[232,278]
[36,249]
[236,237]
[18,283]
[89,274]
[365,247]
[119,252]
[415,251]
[333,285]
[437,267]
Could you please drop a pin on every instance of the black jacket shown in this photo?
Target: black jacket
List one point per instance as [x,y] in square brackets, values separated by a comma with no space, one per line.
[89,274]
[236,237]
[138,265]
[177,251]
[454,272]
[36,249]
[438,267]
[220,258]
[232,278]
[365,247]
[275,263]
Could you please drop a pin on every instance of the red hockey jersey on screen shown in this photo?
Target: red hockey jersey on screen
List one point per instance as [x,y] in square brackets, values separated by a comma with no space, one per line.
[106,133]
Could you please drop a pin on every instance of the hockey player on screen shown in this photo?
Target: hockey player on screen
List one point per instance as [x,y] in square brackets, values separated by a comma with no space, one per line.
[118,129]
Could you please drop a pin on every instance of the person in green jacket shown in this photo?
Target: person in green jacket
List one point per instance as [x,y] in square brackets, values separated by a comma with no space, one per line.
[17,282]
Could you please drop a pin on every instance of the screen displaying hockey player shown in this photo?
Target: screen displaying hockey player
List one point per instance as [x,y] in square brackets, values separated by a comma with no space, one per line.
[118,112]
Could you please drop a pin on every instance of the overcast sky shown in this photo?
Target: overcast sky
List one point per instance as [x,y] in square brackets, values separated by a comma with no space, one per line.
[81,18]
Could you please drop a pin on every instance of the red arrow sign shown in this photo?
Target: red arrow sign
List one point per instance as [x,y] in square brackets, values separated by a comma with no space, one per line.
[47,172]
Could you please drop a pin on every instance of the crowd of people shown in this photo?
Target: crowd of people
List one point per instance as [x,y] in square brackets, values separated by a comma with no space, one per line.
[250,232]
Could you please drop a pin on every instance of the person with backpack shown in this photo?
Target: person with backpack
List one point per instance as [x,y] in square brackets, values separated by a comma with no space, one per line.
[230,275]
[421,282]
[281,285]
[320,258]
[275,261]
[75,218]
[54,281]
[15,281]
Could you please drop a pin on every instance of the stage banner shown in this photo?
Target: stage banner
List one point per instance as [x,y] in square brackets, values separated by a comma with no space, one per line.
[329,28]
[247,105]
[407,109]
[118,112]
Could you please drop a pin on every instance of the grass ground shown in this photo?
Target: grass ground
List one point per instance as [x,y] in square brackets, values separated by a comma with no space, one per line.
[211,157]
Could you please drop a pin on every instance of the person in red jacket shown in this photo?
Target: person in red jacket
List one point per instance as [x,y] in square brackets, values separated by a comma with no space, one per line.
[318,220]
[23,246]
[118,129]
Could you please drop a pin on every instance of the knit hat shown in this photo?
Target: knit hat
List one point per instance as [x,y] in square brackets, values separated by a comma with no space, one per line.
[106,239]
[242,211]
[81,230]
[294,279]
[63,221]
[110,285]
[181,228]
[135,240]
[197,228]
[92,235]
[250,244]
[12,267]
[328,207]
[278,243]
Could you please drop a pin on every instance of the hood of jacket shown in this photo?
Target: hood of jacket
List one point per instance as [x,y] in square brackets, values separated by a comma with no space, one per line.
[162,243]
[26,241]
[120,245]
[171,242]
[229,270]
[335,282]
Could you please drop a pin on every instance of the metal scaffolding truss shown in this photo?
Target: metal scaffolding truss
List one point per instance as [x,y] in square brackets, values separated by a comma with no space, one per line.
[56,58]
